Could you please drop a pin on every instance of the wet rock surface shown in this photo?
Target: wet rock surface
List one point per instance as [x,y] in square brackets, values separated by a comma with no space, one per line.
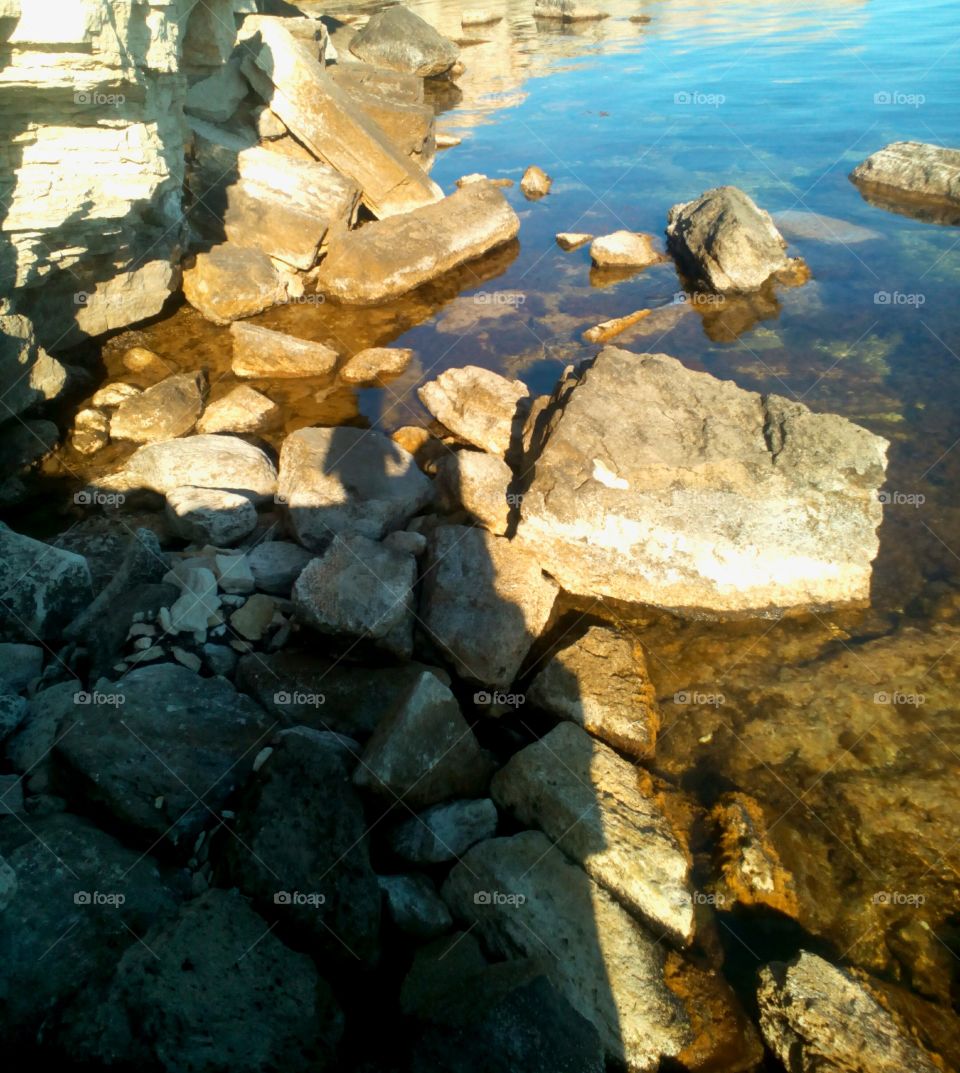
[911,171]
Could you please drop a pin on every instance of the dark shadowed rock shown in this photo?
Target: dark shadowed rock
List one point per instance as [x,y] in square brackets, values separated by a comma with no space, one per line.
[414,907]
[276,565]
[445,832]
[399,40]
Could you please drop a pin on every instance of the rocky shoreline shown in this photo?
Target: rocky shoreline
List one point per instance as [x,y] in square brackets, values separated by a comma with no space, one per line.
[324,748]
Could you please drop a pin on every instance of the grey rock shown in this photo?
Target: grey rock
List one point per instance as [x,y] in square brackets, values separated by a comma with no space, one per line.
[234,575]
[162,412]
[399,40]
[414,907]
[27,371]
[8,884]
[276,565]
[196,604]
[477,405]
[13,711]
[445,832]
[11,795]
[220,659]
[908,171]
[210,515]
[479,483]
[19,665]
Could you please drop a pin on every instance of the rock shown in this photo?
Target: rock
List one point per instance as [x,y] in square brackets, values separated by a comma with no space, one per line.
[905,172]
[8,884]
[198,603]
[444,832]
[217,97]
[399,40]
[211,989]
[414,906]
[220,659]
[42,587]
[572,240]
[600,682]
[475,178]
[408,126]
[140,360]
[234,574]
[91,431]
[624,249]
[218,462]
[276,565]
[240,410]
[330,125]
[477,405]
[252,620]
[566,11]
[13,711]
[259,353]
[20,664]
[725,241]
[343,480]
[610,329]
[27,372]
[320,881]
[162,412]
[187,659]
[423,751]
[606,815]
[479,17]
[813,225]
[815,1016]
[406,541]
[387,258]
[180,736]
[479,483]
[371,366]
[525,898]
[447,141]
[701,497]
[360,589]
[535,183]
[377,81]
[422,444]
[228,282]
[484,602]
[210,515]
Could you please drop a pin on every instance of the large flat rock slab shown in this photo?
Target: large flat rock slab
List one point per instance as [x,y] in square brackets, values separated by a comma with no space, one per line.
[664,486]
[903,175]
[390,257]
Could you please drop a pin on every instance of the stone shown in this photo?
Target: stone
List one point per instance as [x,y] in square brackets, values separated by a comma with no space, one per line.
[162,412]
[414,907]
[422,444]
[42,587]
[217,97]
[139,359]
[180,740]
[815,1016]
[480,484]
[399,40]
[217,462]
[484,603]
[624,249]
[378,81]
[606,815]
[210,515]
[795,223]
[26,443]
[360,589]
[408,126]
[572,240]
[535,183]
[302,851]
[252,620]
[8,884]
[445,140]
[566,11]
[387,258]
[192,610]
[11,795]
[335,130]
[479,17]
[219,659]
[477,405]
[262,354]
[444,832]
[29,375]
[276,565]
[370,367]
[600,682]
[20,664]
[241,410]
[13,711]
[477,177]
[423,751]
[91,431]
[343,480]
[190,660]
[725,241]
[610,329]
[911,171]
[665,486]
[234,574]
[228,282]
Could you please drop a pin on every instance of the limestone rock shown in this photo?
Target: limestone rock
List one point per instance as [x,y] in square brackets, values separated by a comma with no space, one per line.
[111,395]
[535,183]
[371,366]
[409,126]
[210,515]
[198,602]
[240,410]
[341,480]
[162,412]
[276,565]
[624,249]
[423,751]
[217,97]
[387,258]
[28,374]
[725,241]
[476,404]
[665,486]
[566,11]
[479,483]
[399,40]
[360,589]
[912,171]
[445,832]
[228,282]
[484,602]
[572,240]
[262,354]
[414,906]
[252,620]
[139,359]
[600,682]
[91,431]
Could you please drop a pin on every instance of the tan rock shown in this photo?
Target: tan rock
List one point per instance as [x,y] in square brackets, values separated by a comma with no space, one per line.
[91,431]
[625,249]
[241,410]
[262,354]
[230,282]
[479,17]
[478,177]
[479,483]
[447,141]
[162,412]
[139,359]
[371,366]
[610,329]
[535,183]
[111,395]
[477,405]
[370,78]
[572,240]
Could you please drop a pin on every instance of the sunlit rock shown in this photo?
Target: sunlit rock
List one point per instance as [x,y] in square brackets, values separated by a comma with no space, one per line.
[398,39]
[912,171]
[262,354]
[477,405]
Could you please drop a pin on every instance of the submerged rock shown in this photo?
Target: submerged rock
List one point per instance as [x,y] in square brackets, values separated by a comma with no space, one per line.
[240,410]
[624,249]
[91,431]
[665,486]
[477,405]
[912,171]
[399,40]
[387,258]
[162,412]
[259,353]
[229,282]
[369,367]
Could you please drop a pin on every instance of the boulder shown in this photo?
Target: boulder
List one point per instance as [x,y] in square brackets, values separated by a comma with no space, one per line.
[210,515]
[168,761]
[378,81]
[605,814]
[444,832]
[723,240]
[665,486]
[20,664]
[318,879]
[241,410]
[369,367]
[224,462]
[42,587]
[797,223]
[91,431]
[228,282]
[28,374]
[817,1017]
[477,405]
[624,249]
[343,480]
[484,602]
[572,240]
[162,412]
[335,130]
[423,751]
[535,183]
[600,682]
[276,565]
[387,258]
[262,354]
[217,97]
[479,483]
[399,40]
[13,711]
[409,126]
[905,172]
[414,907]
